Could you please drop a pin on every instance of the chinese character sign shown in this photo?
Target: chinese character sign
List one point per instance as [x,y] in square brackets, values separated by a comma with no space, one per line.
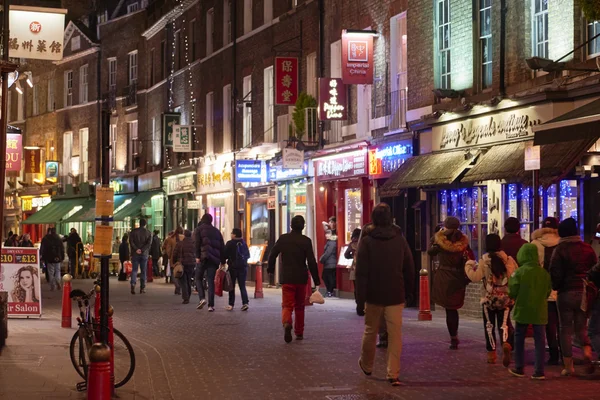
[286,81]
[20,277]
[332,100]
[182,140]
[357,58]
[14,152]
[169,122]
[33,158]
[36,35]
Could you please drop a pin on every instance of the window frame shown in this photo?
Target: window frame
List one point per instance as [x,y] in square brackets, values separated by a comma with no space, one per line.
[132,70]
[83,84]
[133,7]
[485,39]
[210,32]
[113,132]
[133,136]
[534,29]
[227,114]
[210,123]
[112,73]
[596,27]
[247,111]
[443,23]
[68,85]
[269,105]
[227,38]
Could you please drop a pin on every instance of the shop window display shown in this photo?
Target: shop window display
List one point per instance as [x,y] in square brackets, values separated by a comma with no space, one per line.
[353,212]
[259,223]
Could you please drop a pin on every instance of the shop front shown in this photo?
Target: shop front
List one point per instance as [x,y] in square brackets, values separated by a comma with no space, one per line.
[181,189]
[151,182]
[259,204]
[215,194]
[346,194]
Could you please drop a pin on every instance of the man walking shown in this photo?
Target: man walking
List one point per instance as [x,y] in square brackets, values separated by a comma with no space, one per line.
[74,250]
[210,252]
[385,274]
[155,253]
[53,254]
[296,252]
[140,241]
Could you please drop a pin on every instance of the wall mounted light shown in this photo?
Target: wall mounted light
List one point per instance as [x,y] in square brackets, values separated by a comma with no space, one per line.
[29,76]
[18,88]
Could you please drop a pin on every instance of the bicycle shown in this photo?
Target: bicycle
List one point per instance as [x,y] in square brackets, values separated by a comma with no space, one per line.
[85,337]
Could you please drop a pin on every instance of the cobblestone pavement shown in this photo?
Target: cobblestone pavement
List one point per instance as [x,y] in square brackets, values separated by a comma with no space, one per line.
[184,353]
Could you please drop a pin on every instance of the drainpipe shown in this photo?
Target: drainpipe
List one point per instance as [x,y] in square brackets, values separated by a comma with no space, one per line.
[502,48]
[321,62]
[234,97]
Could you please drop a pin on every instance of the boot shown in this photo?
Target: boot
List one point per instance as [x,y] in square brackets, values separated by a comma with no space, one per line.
[491,357]
[142,289]
[383,341]
[568,370]
[554,359]
[454,342]
[132,289]
[587,360]
[506,349]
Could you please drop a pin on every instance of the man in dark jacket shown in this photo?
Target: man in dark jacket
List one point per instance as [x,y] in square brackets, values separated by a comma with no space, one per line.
[296,252]
[155,253]
[73,245]
[185,253]
[512,240]
[237,255]
[385,273]
[140,240]
[210,252]
[53,255]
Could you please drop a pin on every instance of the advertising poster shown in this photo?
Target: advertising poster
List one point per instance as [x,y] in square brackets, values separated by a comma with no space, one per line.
[20,277]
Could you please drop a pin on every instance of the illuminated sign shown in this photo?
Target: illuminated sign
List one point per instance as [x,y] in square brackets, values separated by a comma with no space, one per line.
[35,202]
[277,173]
[251,171]
[181,184]
[14,152]
[51,170]
[286,81]
[213,179]
[357,58]
[345,165]
[332,100]
[36,35]
[386,158]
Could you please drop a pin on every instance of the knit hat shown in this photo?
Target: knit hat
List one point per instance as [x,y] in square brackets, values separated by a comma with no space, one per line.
[512,225]
[493,243]
[452,223]
[550,222]
[567,228]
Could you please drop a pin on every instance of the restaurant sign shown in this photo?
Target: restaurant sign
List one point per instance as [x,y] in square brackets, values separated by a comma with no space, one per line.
[332,100]
[36,35]
[14,151]
[286,81]
[184,183]
[169,120]
[386,158]
[345,165]
[214,179]
[33,161]
[357,58]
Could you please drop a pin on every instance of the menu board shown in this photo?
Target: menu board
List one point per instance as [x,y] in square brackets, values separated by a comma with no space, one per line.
[342,260]
[256,254]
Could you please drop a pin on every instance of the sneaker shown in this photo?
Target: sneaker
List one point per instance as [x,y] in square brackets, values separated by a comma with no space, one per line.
[538,377]
[142,290]
[517,373]
[506,349]
[245,307]
[229,308]
[287,333]
[186,302]
[367,373]
[395,382]
[299,337]
[211,309]
[201,304]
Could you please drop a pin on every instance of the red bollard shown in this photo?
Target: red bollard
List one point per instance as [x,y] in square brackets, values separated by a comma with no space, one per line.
[66,301]
[424,308]
[98,383]
[149,272]
[258,288]
[111,344]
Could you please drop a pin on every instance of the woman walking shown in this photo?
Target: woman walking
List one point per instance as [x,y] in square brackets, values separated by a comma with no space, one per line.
[123,256]
[451,247]
[329,261]
[185,253]
[350,254]
[237,255]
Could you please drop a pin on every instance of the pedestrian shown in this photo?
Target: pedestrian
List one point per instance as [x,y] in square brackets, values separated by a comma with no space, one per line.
[168,248]
[329,261]
[512,240]
[155,253]
[296,253]
[546,239]
[571,261]
[595,242]
[140,241]
[53,255]
[594,310]
[185,253]
[74,251]
[210,252]
[495,269]
[124,256]
[350,254]
[236,256]
[12,240]
[530,287]
[26,241]
[451,247]
[385,274]
[116,245]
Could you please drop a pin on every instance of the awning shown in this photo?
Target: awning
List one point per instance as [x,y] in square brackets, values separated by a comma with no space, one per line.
[54,212]
[133,209]
[88,211]
[428,170]
[579,124]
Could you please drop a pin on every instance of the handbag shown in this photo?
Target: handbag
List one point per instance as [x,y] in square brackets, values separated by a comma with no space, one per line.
[590,294]
[219,278]
[227,283]
[316,298]
[178,270]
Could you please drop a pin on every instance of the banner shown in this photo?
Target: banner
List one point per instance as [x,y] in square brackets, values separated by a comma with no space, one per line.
[286,81]
[36,35]
[14,152]
[332,100]
[168,124]
[20,277]
[182,138]
[33,161]
[357,58]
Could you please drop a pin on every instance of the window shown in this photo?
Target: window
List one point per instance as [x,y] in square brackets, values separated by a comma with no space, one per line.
[540,28]
[67,153]
[210,146]
[193,40]
[75,43]
[210,30]
[399,72]
[594,45]
[133,7]
[268,11]
[51,106]
[134,146]
[133,68]
[227,145]
[68,88]
[443,43]
[84,136]
[83,84]
[176,53]
[485,42]
[227,23]
[248,16]
[113,147]
[336,59]
[268,106]
[36,109]
[151,65]
[311,74]
[156,142]
[101,18]
[112,74]
[247,112]
[143,4]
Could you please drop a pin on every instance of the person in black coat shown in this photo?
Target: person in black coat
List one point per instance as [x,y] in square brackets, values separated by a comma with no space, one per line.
[155,253]
[237,255]
[74,249]
[26,241]
[210,252]
[123,256]
[185,253]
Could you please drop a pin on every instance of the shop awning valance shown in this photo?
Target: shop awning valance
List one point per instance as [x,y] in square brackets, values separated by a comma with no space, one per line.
[88,211]
[54,212]
[133,209]
[559,159]
[428,170]
[579,124]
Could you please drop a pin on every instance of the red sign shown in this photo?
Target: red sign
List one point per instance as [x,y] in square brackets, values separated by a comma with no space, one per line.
[14,152]
[33,159]
[35,27]
[357,58]
[286,81]
[345,165]
[332,100]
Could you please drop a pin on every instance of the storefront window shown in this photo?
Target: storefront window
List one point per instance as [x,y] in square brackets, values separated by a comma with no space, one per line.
[297,200]
[568,199]
[218,206]
[158,207]
[353,212]
[259,223]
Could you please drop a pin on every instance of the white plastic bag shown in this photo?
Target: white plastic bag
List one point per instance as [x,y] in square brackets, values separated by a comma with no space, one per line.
[316,298]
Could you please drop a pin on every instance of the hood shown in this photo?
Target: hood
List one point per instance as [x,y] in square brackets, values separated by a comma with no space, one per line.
[384,233]
[528,255]
[453,247]
[547,237]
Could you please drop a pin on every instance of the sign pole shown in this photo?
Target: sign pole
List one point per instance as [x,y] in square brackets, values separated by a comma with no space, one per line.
[104,261]
[4,105]
[536,199]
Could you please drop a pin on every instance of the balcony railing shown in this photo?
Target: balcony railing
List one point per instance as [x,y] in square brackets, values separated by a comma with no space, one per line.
[397,110]
[131,95]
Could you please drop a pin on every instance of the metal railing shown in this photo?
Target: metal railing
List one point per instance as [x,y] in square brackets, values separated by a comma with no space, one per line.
[397,110]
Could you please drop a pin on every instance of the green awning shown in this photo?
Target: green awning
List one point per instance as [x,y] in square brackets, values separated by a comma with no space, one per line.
[133,209]
[54,212]
[88,212]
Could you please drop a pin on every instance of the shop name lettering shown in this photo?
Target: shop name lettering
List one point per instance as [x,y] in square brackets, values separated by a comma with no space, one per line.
[333,109]
[515,126]
[341,167]
[214,178]
[397,150]
[21,308]
[181,183]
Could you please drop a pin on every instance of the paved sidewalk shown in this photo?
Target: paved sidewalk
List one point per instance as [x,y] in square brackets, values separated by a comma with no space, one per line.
[184,353]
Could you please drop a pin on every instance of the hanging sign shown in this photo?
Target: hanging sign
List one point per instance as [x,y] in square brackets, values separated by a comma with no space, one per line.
[14,151]
[357,58]
[20,277]
[286,81]
[33,161]
[194,205]
[36,35]
[293,159]
[51,170]
[214,179]
[169,120]
[532,158]
[183,183]
[332,100]
[182,138]
[386,158]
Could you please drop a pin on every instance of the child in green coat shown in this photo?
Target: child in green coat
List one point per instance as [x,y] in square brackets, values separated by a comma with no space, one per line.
[529,286]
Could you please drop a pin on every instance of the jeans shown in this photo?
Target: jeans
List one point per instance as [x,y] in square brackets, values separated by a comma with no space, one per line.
[393,319]
[238,275]
[497,319]
[186,281]
[293,298]
[73,265]
[572,321]
[210,270]
[54,275]
[552,337]
[139,261]
[452,322]
[540,347]
[155,270]
[329,277]
[594,326]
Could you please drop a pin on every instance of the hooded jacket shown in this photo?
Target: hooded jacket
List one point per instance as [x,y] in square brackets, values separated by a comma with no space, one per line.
[52,248]
[571,261]
[210,246]
[530,286]
[385,269]
[329,257]
[185,251]
[483,271]
[546,240]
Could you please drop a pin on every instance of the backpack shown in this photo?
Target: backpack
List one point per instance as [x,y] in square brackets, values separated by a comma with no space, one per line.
[497,293]
[241,261]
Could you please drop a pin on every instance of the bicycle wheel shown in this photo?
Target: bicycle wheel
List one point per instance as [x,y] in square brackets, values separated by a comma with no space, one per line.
[124,359]
[79,352]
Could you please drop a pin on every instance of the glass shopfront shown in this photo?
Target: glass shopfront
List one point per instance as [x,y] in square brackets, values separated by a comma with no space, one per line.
[352,212]
[220,206]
